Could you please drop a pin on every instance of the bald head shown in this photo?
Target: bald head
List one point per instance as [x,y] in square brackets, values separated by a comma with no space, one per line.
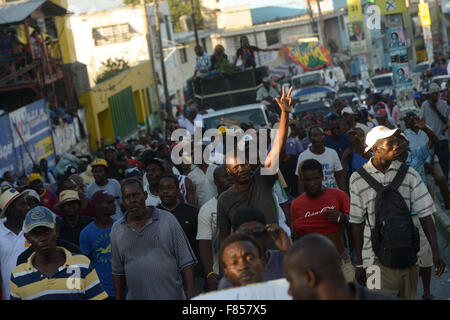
[310,262]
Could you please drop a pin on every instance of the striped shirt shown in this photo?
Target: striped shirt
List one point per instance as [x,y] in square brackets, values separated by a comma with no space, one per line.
[76,279]
[151,260]
[362,199]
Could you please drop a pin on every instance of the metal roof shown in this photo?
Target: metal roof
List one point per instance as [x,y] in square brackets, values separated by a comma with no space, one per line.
[17,11]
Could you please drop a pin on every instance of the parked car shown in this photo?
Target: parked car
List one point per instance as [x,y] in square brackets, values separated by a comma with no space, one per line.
[308,79]
[255,114]
[421,67]
[314,93]
[348,97]
[383,83]
[302,108]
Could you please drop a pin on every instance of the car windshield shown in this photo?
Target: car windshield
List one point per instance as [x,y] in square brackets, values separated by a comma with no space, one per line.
[382,82]
[307,79]
[253,116]
[311,106]
[420,68]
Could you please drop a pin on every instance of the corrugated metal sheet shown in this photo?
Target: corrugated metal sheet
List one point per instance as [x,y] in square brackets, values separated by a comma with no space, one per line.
[123,112]
[18,11]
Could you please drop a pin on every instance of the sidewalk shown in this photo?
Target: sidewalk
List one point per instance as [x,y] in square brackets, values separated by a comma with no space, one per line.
[442,216]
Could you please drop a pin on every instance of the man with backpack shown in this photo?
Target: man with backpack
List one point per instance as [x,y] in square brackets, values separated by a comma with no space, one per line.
[383,193]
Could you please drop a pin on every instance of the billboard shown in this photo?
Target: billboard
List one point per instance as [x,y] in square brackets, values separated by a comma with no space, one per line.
[31,135]
[7,155]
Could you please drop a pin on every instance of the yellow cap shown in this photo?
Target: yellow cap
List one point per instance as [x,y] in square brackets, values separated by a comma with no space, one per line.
[34,176]
[222,129]
[99,162]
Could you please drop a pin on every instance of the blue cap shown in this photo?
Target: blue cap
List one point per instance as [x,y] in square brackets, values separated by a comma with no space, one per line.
[39,217]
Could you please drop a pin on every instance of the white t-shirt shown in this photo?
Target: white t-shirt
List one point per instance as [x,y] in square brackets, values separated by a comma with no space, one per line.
[11,246]
[281,198]
[330,164]
[152,200]
[204,186]
[207,229]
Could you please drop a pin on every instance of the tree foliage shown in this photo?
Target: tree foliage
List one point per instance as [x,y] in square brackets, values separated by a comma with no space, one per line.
[178,8]
[111,68]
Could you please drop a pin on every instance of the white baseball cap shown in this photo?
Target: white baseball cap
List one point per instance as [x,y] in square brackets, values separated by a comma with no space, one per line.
[348,110]
[378,133]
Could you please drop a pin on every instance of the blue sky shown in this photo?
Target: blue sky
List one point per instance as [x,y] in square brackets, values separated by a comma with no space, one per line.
[78,6]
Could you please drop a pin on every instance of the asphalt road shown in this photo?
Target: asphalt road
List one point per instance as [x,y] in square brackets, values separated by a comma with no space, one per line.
[440,286]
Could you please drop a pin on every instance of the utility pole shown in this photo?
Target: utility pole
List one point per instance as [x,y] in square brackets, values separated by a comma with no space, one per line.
[311,15]
[150,50]
[163,67]
[197,42]
[322,26]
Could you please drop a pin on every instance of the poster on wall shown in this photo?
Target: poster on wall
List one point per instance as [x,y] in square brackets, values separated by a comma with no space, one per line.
[357,37]
[31,123]
[7,157]
[401,75]
[391,6]
[396,38]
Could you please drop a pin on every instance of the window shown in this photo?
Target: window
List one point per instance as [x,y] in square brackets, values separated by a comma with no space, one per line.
[167,23]
[183,56]
[272,37]
[111,34]
[204,44]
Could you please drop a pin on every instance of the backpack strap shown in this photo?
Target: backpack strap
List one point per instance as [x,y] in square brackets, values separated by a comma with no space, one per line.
[369,179]
[400,176]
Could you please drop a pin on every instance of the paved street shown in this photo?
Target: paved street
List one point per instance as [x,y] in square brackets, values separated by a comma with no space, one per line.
[440,286]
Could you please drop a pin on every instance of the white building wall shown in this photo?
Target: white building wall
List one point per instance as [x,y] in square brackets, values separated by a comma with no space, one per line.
[135,50]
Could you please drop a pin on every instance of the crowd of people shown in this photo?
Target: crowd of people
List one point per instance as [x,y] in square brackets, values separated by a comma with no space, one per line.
[130,223]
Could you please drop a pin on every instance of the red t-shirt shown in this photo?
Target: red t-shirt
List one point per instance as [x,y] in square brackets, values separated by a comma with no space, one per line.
[309,214]
[48,200]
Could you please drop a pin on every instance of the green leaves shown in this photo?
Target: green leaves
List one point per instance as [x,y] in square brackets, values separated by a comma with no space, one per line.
[111,68]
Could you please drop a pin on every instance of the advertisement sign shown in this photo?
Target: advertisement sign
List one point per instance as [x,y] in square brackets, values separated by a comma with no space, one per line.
[354,10]
[309,55]
[401,75]
[396,38]
[391,6]
[32,122]
[357,37]
[7,156]
[424,14]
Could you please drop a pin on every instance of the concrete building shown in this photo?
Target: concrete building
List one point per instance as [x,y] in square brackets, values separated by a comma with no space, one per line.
[117,106]
[121,33]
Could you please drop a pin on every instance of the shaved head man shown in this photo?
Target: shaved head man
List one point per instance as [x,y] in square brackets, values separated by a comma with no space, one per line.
[313,270]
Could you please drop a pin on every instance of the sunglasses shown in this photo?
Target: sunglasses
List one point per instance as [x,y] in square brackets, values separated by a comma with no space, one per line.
[257,232]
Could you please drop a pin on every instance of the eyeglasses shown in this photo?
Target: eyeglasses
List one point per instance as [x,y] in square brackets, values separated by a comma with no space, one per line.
[257,232]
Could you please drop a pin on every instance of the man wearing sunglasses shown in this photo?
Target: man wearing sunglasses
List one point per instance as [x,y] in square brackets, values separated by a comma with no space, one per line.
[251,222]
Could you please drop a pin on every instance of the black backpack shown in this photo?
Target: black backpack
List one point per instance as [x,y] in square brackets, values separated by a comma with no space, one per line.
[395,238]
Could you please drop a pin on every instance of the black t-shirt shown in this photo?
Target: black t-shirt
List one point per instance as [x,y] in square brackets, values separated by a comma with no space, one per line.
[116,171]
[247,55]
[287,168]
[259,195]
[187,217]
[59,243]
[67,233]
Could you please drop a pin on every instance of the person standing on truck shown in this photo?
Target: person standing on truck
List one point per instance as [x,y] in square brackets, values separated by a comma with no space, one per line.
[247,53]
[267,93]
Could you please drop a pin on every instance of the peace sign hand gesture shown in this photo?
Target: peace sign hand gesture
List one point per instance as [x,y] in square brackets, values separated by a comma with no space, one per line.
[285,103]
